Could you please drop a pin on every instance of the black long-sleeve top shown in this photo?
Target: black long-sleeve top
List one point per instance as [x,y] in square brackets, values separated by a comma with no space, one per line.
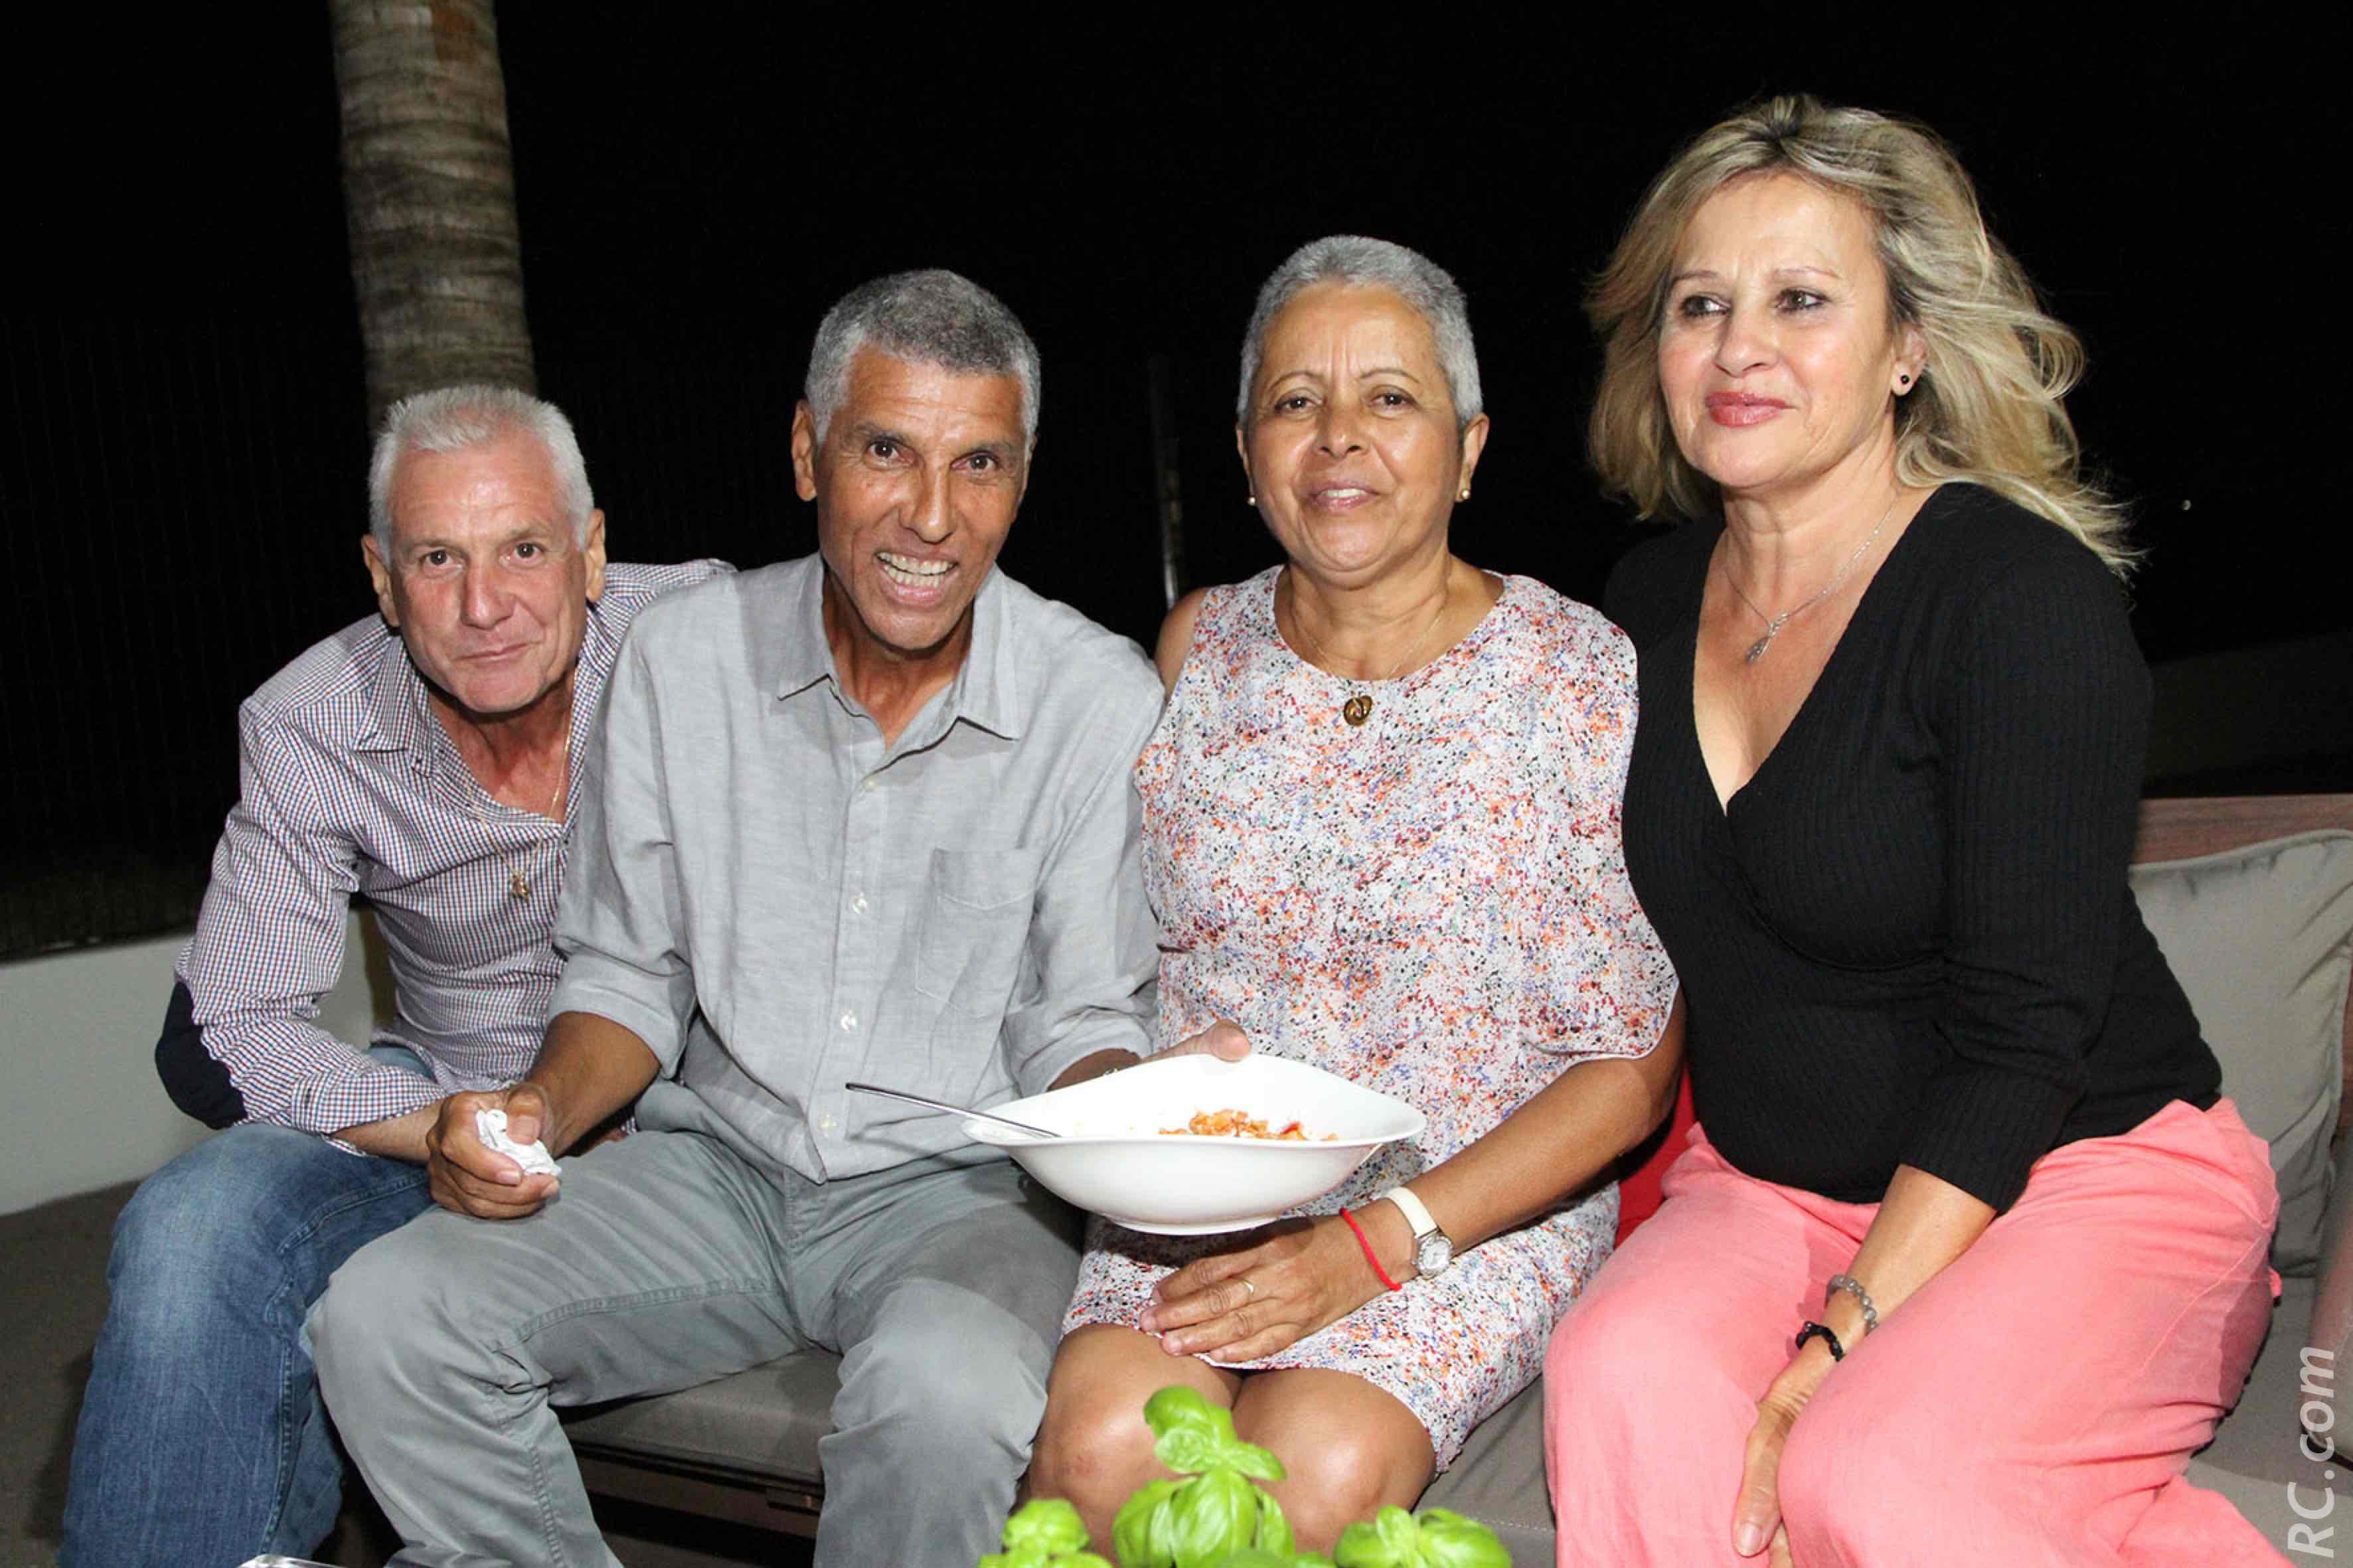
[1908,940]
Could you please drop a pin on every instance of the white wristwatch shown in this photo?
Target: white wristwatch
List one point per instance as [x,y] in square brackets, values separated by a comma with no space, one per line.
[1433,1249]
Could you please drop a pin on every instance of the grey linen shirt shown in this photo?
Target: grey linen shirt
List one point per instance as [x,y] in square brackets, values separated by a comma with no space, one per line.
[778,903]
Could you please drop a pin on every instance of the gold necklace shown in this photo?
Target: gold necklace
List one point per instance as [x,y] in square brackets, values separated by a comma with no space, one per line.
[1359,705]
[516,886]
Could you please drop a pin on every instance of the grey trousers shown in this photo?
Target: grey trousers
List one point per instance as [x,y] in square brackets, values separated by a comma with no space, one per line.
[668,1260]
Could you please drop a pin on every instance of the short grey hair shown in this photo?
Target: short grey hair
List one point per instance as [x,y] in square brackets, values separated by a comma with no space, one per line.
[1363,263]
[933,316]
[458,418]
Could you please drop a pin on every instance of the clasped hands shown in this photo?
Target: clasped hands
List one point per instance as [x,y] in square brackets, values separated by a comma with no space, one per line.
[1275,1287]
[470,1179]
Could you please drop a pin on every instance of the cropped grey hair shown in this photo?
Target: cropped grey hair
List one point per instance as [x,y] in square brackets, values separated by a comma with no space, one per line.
[1363,263]
[456,418]
[934,317]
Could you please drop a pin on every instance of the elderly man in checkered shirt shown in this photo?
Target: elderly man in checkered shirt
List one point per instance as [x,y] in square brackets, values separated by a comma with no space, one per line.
[421,761]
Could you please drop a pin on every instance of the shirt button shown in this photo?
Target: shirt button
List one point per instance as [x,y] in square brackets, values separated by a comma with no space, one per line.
[867,785]
[858,904]
[825,1123]
[849,1023]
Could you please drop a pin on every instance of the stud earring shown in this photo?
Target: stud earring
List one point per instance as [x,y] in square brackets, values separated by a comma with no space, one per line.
[1250,499]
[1463,494]
[1903,380]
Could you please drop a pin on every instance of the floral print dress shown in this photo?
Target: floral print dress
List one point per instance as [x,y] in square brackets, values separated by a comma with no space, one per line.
[1433,904]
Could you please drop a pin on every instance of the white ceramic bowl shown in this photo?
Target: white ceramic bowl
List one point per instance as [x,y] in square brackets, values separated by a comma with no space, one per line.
[1113,1159]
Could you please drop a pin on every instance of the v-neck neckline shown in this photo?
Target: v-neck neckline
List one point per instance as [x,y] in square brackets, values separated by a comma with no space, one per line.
[1725,803]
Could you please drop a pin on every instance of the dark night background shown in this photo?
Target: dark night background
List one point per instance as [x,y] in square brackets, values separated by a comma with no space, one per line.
[180,466]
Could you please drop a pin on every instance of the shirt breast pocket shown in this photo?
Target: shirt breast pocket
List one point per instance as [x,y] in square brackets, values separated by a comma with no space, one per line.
[973,926]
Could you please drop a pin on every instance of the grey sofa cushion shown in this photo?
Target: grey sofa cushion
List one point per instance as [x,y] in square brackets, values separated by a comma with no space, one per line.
[764,1422]
[1499,1478]
[2258,1451]
[2262,939]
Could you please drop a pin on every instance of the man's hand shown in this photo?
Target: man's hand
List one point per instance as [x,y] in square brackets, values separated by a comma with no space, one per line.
[470,1179]
[1223,1039]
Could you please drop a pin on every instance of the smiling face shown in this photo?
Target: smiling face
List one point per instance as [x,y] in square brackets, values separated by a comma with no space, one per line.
[1779,359]
[916,481]
[1351,444]
[484,579]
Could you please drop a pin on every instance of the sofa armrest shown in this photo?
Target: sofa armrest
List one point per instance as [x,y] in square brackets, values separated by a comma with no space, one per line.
[2332,1306]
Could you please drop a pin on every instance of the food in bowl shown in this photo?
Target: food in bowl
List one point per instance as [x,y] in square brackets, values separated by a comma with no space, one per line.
[1237,1124]
[1110,1157]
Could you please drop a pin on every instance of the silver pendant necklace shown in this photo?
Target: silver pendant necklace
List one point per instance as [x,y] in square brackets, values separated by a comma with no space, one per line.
[1359,705]
[1773,623]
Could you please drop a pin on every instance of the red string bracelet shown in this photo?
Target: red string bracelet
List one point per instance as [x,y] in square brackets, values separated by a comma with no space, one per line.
[1366,1243]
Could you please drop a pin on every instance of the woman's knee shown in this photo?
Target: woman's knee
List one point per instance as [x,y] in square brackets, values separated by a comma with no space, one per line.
[1093,1449]
[1093,1444]
[1617,1369]
[1851,1462]
[1342,1479]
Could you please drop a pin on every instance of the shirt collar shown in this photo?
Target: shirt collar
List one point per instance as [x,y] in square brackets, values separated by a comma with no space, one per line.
[399,704]
[787,626]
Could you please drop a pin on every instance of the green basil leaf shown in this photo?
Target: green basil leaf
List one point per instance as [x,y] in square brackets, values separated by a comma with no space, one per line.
[1210,1515]
[1050,1522]
[1390,1541]
[1190,1450]
[1140,1532]
[1274,1529]
[1179,1408]
[1451,1541]
[1253,1460]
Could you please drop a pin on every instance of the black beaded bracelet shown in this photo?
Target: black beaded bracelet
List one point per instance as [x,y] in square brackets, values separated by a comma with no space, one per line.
[1822,1331]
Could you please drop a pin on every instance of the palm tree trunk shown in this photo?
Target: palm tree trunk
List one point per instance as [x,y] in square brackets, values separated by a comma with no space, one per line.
[429,196]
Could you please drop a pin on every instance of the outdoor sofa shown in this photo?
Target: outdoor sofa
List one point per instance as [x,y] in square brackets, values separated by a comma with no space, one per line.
[2251,899]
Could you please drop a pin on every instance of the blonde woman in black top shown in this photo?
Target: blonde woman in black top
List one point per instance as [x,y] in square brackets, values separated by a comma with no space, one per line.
[1968,1255]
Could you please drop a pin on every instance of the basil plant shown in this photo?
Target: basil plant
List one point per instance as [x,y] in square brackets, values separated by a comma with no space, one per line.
[1215,1515]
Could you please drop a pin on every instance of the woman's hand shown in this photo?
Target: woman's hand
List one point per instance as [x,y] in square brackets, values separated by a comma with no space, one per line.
[1756,1518]
[1254,1301]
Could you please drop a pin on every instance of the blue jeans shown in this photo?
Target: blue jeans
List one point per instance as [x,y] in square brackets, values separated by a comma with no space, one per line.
[202,1440]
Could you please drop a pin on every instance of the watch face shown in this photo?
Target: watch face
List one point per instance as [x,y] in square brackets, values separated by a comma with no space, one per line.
[1433,1252]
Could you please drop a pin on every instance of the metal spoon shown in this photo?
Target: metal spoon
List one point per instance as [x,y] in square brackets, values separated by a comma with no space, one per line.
[952,1110]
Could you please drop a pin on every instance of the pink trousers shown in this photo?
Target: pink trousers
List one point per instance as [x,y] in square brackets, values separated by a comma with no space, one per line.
[2036,1404]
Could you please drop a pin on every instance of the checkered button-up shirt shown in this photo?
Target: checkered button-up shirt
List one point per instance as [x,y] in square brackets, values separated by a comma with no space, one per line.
[350,787]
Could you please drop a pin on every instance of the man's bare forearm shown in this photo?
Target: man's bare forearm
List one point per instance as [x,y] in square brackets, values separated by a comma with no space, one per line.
[588,1068]
[398,1137]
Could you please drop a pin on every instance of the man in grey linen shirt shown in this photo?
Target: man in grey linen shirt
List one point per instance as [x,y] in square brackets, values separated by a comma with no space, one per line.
[865,816]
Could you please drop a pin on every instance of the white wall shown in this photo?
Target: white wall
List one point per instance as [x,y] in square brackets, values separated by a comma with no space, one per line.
[78,1032]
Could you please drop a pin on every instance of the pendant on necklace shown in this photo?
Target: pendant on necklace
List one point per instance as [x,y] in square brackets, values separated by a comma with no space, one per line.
[1356,709]
[1756,649]
[517,886]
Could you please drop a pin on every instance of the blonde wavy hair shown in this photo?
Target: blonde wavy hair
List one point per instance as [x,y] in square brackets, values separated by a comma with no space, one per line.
[1989,404]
